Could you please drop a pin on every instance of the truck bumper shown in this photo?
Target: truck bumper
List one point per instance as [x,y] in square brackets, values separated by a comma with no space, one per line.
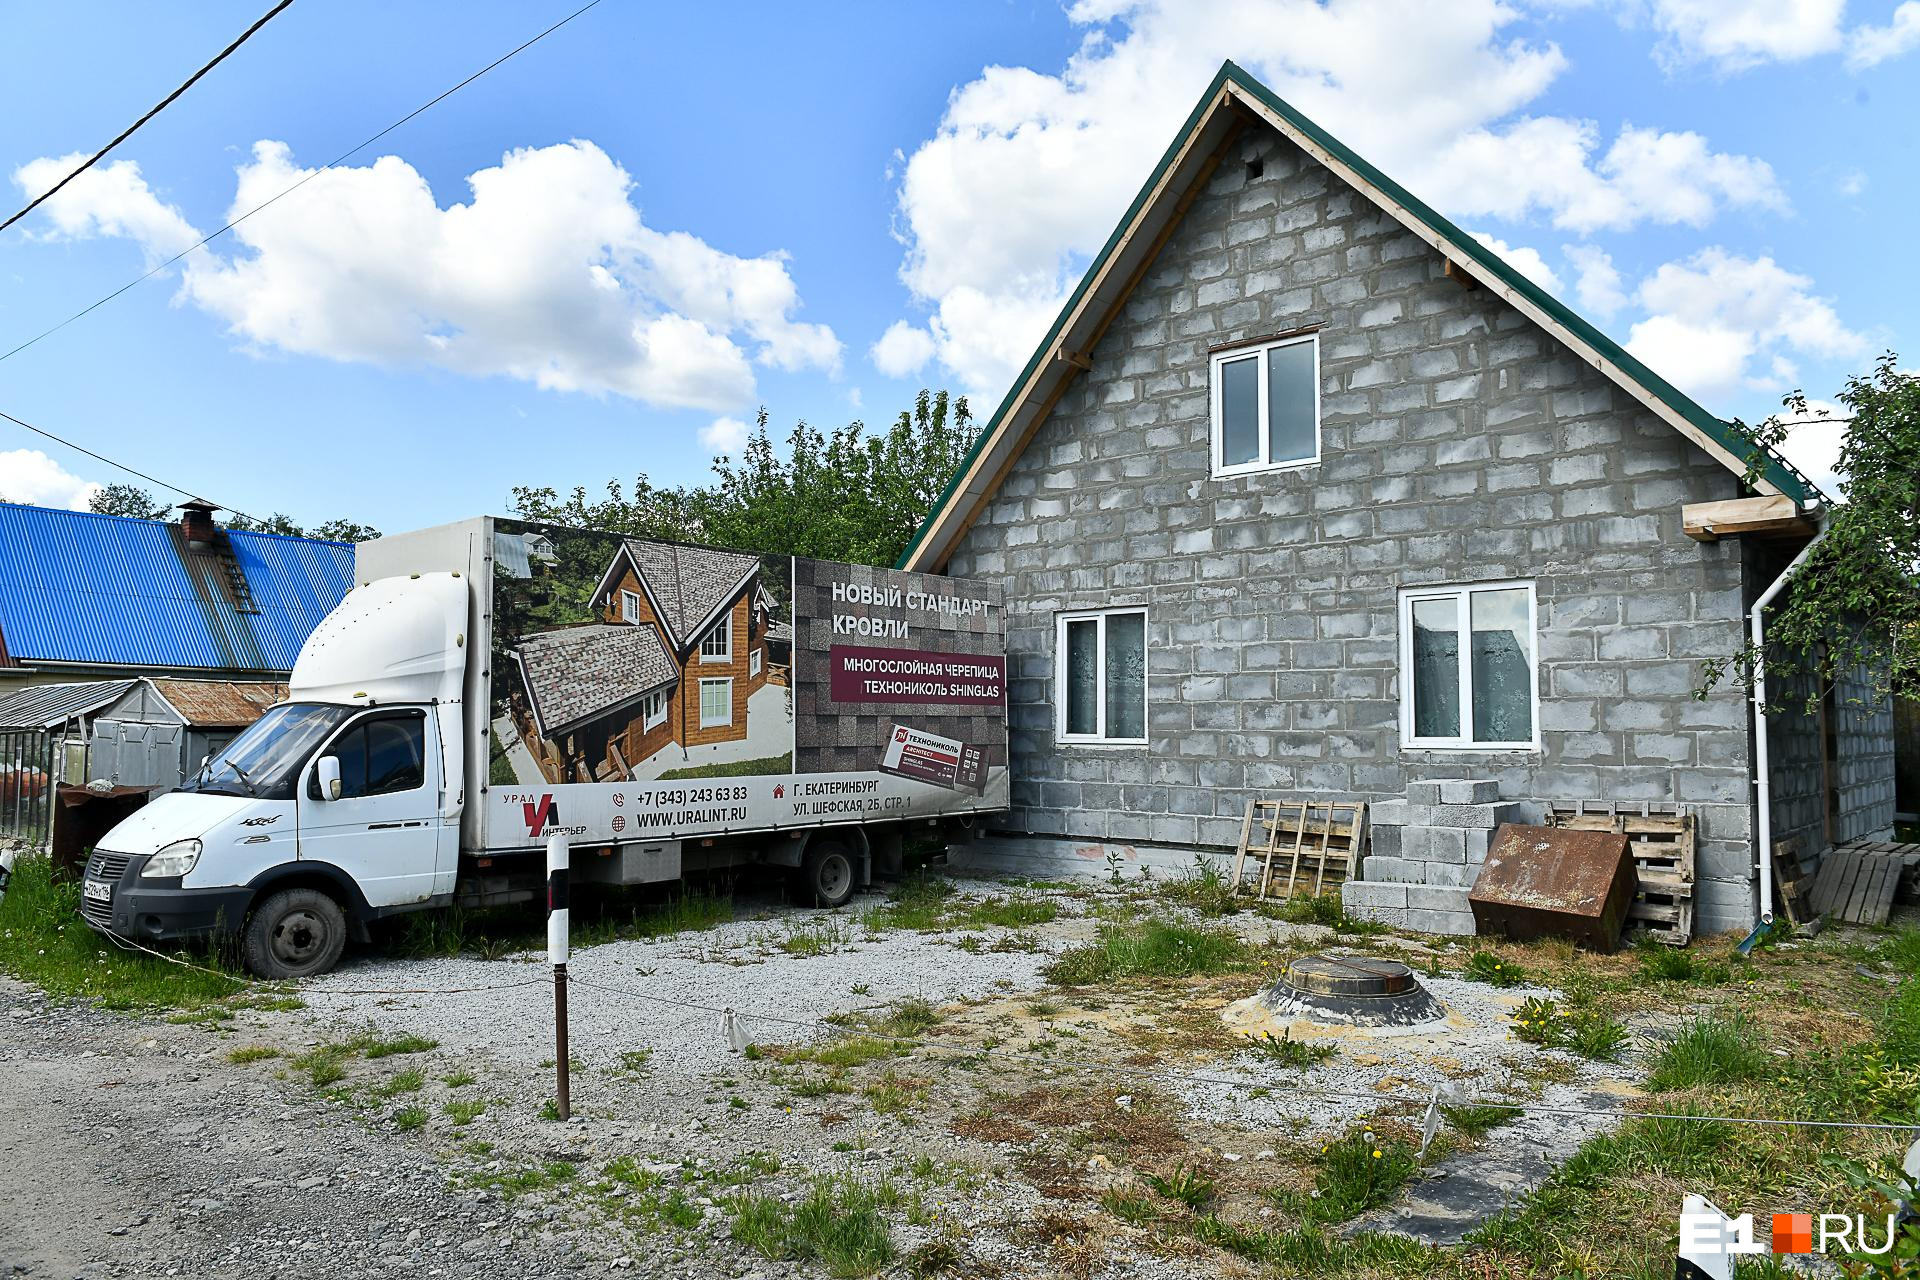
[159,910]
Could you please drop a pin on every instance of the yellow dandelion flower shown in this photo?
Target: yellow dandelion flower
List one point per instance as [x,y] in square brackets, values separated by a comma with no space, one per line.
[1376,1155]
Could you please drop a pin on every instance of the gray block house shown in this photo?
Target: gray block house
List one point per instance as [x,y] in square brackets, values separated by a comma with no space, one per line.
[1308,494]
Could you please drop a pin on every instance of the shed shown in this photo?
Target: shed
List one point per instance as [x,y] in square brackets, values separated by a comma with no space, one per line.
[43,735]
[159,728]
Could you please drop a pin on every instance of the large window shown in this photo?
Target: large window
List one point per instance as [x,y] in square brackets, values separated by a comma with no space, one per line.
[716,703]
[1101,676]
[717,644]
[1266,406]
[1467,667]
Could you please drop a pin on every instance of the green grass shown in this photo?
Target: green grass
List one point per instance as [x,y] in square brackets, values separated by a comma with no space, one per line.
[370,1045]
[324,1065]
[1477,1119]
[1710,1050]
[838,1225]
[1662,963]
[1203,888]
[1360,1171]
[463,1111]
[816,936]
[1131,1207]
[458,1080]
[1187,1185]
[407,1119]
[1153,948]
[1287,1051]
[782,763]
[852,1051]
[404,1082]
[252,1053]
[924,903]
[910,1017]
[44,941]
[495,933]
[1494,970]
[519,1182]
[1582,1028]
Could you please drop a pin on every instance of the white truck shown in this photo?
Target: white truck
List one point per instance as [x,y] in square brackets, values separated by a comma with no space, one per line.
[670,708]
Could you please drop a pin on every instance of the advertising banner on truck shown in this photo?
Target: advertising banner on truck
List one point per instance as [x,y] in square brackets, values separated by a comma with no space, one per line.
[642,689]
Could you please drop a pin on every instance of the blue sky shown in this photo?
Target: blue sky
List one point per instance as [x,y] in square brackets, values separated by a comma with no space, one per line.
[681,213]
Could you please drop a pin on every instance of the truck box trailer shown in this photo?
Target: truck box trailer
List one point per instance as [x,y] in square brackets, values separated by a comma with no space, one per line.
[666,707]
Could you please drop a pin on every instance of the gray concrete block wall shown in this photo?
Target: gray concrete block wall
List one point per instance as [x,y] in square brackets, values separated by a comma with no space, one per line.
[1459,444]
[1439,837]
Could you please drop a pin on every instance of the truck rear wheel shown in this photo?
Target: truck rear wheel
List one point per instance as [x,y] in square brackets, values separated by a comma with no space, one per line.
[827,874]
[295,933]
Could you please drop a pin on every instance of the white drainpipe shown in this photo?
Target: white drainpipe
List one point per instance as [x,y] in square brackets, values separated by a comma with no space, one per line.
[1763,774]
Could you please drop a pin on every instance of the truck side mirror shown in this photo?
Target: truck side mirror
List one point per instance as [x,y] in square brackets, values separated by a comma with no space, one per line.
[326,771]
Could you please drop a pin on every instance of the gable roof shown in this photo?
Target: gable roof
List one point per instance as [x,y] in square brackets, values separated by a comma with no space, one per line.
[115,591]
[1234,98]
[579,673]
[688,585]
[48,706]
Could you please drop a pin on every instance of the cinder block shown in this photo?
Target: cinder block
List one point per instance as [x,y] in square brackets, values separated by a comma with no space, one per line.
[1370,893]
[1484,791]
[1446,845]
[1424,792]
[1470,816]
[1396,870]
[1392,917]
[1478,841]
[1389,813]
[1457,924]
[1385,841]
[1460,875]
[1434,897]
[1413,843]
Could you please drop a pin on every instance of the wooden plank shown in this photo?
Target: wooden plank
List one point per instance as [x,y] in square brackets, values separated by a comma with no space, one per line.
[1833,871]
[1882,904]
[1773,513]
[1240,857]
[1855,901]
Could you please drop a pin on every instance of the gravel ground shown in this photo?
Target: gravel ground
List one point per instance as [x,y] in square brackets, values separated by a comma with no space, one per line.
[171,1159]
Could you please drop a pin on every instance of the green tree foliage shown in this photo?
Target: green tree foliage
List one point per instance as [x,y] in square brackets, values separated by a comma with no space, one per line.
[846,495]
[1853,609]
[126,500]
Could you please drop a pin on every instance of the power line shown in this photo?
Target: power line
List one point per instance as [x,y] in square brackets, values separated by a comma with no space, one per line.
[310,176]
[101,457]
[163,105]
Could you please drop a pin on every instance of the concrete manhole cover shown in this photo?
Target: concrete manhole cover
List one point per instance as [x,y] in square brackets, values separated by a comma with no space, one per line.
[1356,991]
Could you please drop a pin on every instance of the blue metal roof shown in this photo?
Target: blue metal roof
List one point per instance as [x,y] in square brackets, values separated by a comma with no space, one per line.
[80,587]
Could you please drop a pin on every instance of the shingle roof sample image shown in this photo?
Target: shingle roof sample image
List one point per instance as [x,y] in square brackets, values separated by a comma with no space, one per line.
[689,583]
[578,673]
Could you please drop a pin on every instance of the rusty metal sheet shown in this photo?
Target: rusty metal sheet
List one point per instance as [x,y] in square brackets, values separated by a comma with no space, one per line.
[1543,882]
[220,704]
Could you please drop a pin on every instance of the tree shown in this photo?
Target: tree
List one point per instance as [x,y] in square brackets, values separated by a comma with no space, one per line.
[1852,611]
[123,499]
[344,531]
[327,531]
[844,495]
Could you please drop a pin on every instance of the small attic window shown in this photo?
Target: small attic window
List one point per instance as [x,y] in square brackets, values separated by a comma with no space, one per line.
[1256,167]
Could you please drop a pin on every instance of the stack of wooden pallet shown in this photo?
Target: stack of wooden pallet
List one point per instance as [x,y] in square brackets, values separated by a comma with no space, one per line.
[1297,846]
[1794,874]
[1859,881]
[1661,839]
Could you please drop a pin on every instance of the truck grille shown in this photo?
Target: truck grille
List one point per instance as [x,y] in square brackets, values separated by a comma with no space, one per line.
[108,867]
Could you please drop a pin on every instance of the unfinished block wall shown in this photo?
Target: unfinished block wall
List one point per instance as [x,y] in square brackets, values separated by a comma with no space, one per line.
[1425,854]
[1459,444]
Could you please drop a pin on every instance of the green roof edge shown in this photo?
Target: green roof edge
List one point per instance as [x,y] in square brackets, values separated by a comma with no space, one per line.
[1776,469]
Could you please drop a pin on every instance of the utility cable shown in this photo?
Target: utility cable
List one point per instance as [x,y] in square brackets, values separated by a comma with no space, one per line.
[162,106]
[100,457]
[308,177]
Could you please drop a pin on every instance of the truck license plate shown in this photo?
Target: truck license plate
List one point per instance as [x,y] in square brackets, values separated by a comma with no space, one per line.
[98,890]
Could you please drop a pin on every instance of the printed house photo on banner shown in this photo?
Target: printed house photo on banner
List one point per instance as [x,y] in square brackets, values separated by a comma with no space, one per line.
[626,659]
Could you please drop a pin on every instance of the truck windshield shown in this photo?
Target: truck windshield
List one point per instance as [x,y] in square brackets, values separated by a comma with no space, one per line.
[265,760]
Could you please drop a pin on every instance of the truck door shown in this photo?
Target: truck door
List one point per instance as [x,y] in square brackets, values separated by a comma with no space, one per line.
[384,830]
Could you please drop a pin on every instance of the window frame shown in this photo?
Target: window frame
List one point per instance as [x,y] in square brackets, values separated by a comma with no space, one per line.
[653,710]
[724,627]
[630,607]
[358,724]
[1098,738]
[1462,593]
[756,661]
[716,680]
[1258,351]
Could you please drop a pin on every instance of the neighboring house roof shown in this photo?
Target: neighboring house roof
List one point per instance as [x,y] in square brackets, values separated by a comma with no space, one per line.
[780,632]
[47,706]
[1233,98]
[114,591]
[577,674]
[219,704]
[688,586]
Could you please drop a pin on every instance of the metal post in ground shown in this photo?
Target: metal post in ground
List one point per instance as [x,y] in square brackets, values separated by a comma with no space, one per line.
[557,860]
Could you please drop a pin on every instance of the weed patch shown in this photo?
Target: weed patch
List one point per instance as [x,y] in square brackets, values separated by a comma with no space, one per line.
[1494,970]
[1154,948]
[252,1053]
[1586,1031]
[838,1224]
[1708,1051]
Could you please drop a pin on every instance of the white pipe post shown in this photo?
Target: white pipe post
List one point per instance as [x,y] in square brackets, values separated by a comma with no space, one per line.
[557,951]
[1762,768]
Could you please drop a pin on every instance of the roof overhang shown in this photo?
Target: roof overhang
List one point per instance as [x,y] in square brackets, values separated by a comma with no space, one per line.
[1234,100]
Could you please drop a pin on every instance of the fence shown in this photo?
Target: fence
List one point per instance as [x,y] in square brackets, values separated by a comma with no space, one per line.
[27,776]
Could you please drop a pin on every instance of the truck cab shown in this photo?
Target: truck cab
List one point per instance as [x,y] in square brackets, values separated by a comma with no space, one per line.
[338,807]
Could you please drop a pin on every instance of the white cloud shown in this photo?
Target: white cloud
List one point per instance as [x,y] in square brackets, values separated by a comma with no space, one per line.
[1598,287]
[1026,174]
[1854,182]
[30,476]
[1527,262]
[1733,35]
[548,275]
[1871,46]
[107,200]
[1715,316]
[1814,439]
[902,350]
[724,435]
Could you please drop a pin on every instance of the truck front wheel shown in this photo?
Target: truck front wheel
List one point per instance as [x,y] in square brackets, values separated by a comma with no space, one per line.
[295,933]
[827,874]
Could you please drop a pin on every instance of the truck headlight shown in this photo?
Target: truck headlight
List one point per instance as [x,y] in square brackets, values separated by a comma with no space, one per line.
[175,859]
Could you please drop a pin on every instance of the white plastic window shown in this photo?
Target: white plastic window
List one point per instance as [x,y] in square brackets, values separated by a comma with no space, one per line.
[1266,406]
[1468,675]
